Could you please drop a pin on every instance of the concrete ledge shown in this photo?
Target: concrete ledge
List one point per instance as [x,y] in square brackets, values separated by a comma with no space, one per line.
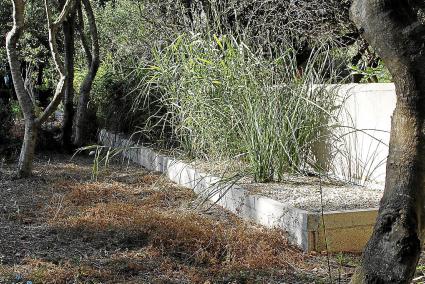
[345,230]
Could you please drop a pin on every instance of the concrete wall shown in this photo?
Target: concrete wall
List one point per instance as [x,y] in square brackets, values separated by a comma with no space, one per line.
[362,137]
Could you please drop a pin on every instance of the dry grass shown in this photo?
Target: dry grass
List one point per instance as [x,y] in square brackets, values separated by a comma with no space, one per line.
[183,235]
[133,227]
[122,216]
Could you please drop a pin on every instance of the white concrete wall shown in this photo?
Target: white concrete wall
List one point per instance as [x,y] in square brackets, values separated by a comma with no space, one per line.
[364,132]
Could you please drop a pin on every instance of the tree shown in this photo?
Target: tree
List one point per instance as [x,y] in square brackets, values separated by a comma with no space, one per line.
[266,23]
[93,61]
[34,49]
[396,30]
[32,119]
[68,99]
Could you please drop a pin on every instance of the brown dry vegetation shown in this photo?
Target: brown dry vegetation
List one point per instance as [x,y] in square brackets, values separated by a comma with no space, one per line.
[132,226]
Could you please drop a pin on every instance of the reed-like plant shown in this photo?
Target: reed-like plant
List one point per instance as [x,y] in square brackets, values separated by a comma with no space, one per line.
[223,100]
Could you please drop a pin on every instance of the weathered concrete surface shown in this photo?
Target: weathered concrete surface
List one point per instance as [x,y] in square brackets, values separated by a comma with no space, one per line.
[345,231]
[364,131]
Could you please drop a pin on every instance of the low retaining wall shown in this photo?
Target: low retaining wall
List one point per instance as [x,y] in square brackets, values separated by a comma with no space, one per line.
[345,230]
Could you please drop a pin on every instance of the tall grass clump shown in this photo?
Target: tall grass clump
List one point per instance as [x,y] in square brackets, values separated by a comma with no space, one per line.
[223,100]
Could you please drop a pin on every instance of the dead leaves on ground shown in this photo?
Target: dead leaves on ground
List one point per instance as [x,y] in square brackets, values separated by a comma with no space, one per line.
[140,227]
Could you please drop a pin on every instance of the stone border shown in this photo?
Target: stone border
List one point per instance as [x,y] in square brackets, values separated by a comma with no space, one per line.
[345,230]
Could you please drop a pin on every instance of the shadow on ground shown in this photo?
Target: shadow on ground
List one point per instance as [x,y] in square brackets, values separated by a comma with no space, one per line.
[132,226]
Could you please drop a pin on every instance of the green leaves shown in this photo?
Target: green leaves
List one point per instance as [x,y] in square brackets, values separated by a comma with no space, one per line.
[379,73]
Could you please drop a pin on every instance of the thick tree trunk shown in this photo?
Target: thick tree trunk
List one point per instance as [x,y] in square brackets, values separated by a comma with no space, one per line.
[28,149]
[68,100]
[93,65]
[393,29]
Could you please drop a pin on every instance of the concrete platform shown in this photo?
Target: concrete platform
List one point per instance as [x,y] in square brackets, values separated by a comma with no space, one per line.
[346,231]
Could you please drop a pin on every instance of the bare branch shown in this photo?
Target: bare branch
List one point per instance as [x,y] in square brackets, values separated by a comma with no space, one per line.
[84,40]
[53,31]
[66,10]
[60,89]
[12,54]
[93,34]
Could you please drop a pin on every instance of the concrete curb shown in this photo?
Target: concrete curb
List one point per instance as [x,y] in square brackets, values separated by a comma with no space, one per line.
[345,230]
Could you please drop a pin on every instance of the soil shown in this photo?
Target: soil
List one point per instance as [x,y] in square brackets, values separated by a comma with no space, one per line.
[127,225]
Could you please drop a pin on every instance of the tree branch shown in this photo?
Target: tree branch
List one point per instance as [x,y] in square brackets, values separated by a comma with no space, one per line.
[12,39]
[53,31]
[66,10]
[87,83]
[84,41]
[95,58]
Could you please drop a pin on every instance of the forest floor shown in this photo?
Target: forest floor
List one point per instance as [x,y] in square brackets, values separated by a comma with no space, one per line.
[134,226]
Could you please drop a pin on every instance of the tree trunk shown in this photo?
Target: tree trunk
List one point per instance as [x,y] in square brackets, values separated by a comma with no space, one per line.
[393,29]
[32,122]
[28,149]
[68,100]
[82,109]
[28,146]
[93,65]
[40,74]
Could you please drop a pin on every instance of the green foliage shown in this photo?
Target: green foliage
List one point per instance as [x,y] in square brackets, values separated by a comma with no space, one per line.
[379,74]
[126,43]
[222,100]
[6,118]
[15,108]
[211,97]
[34,47]
[5,16]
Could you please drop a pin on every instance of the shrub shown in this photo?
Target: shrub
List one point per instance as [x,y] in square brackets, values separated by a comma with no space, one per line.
[241,94]
[6,124]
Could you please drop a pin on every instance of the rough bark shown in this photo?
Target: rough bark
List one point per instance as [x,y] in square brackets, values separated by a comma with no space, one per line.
[394,30]
[27,150]
[93,60]
[32,122]
[68,99]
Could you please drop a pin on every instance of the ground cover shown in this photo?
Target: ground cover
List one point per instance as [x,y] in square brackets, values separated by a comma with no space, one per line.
[132,226]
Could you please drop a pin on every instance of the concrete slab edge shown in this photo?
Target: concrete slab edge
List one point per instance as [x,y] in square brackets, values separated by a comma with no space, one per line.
[298,223]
